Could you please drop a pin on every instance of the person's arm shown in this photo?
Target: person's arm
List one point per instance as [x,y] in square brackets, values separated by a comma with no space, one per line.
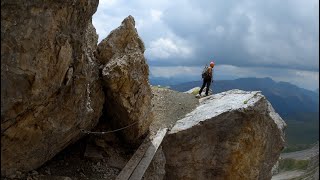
[211,75]
[210,71]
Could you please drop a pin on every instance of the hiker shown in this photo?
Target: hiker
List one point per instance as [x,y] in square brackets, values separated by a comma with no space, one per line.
[207,78]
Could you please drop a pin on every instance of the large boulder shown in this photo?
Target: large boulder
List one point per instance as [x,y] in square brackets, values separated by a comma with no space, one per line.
[125,79]
[231,135]
[49,79]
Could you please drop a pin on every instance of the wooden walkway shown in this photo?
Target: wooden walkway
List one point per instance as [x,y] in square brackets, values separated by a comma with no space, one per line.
[141,159]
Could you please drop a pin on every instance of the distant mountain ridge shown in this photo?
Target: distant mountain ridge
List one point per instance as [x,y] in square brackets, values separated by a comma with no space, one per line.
[286,98]
[168,81]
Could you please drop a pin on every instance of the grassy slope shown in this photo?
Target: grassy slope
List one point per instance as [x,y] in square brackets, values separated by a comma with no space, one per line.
[301,134]
[292,164]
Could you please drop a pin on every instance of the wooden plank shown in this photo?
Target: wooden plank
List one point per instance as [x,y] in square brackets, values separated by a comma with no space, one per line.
[141,159]
[148,156]
[134,161]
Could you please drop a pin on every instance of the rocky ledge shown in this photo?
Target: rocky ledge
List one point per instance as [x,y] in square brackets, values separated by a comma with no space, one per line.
[231,135]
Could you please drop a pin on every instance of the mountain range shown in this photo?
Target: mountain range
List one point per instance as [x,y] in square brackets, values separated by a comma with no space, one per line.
[287,99]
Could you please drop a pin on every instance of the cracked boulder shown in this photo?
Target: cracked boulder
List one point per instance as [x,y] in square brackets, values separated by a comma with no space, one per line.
[125,80]
[49,79]
[231,135]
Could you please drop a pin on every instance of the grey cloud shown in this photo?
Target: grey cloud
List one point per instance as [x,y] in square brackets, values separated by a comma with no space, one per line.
[291,40]
[249,34]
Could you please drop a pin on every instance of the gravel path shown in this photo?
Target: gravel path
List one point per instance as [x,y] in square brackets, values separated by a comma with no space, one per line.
[170,106]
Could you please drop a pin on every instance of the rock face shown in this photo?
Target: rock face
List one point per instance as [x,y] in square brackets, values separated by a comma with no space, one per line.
[125,79]
[231,135]
[49,79]
[156,169]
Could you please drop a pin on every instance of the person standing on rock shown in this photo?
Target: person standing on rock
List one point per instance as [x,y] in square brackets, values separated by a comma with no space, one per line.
[207,78]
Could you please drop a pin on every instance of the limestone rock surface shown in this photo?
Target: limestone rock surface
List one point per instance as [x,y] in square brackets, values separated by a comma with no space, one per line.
[156,169]
[230,135]
[49,79]
[125,80]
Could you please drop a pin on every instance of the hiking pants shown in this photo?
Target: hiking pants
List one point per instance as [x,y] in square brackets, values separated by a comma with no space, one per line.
[206,81]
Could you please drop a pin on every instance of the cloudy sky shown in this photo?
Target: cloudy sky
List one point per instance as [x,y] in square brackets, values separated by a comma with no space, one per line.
[245,38]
